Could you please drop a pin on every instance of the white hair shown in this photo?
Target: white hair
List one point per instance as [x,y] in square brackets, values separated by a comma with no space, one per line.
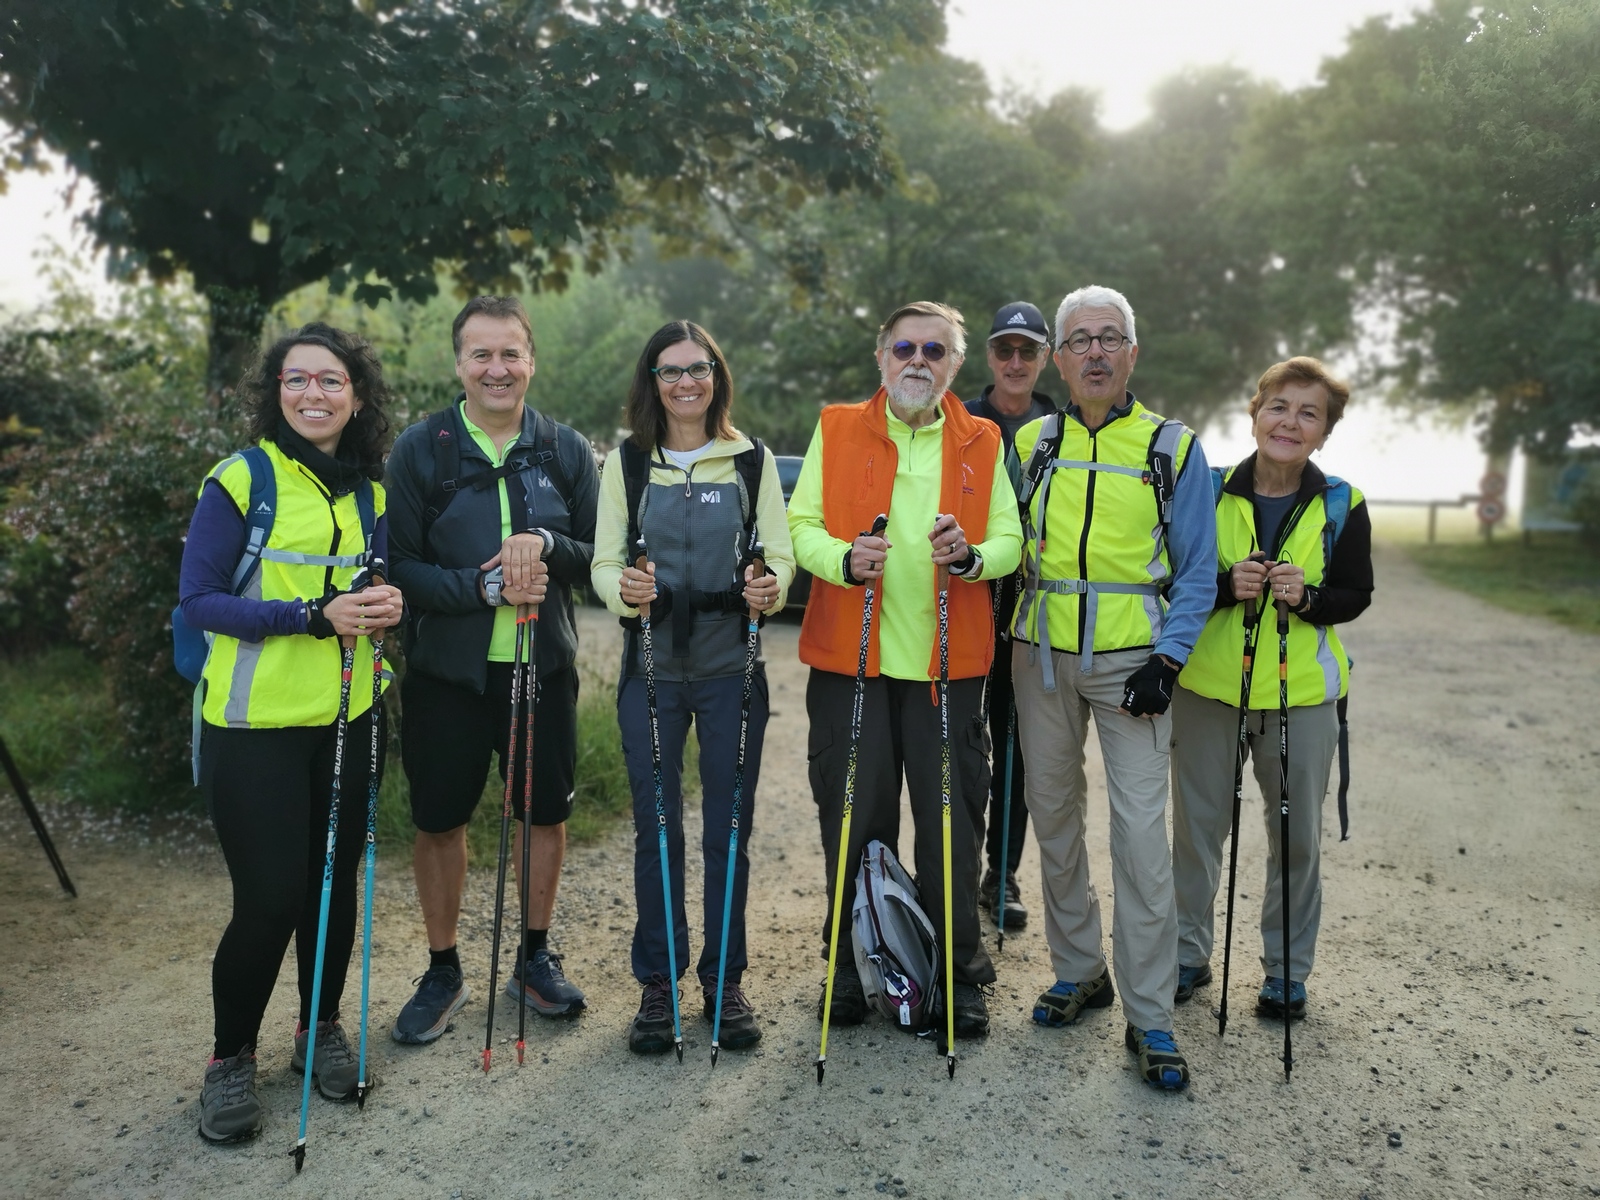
[1094,296]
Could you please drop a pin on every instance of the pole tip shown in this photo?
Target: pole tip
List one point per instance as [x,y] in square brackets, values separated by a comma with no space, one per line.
[299,1153]
[679,1048]
[520,1045]
[714,1049]
[819,1072]
[1001,944]
[486,1060]
[361,1096]
[950,1065]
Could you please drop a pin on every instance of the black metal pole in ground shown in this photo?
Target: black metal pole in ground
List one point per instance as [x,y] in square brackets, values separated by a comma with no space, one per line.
[21,789]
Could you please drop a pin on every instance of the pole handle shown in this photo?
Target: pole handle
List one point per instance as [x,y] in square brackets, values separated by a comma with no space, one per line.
[641,562]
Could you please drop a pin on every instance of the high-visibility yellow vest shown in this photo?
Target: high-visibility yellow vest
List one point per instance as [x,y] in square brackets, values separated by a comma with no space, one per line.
[316,542]
[1319,670]
[1095,556]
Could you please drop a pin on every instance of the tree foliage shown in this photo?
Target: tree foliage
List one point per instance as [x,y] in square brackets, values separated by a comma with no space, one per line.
[263,147]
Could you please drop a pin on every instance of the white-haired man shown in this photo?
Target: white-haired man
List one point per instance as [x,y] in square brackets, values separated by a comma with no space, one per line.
[1119,561]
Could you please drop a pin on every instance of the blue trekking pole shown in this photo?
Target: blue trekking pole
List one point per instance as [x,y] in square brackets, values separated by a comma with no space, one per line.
[371,854]
[346,668]
[642,563]
[757,560]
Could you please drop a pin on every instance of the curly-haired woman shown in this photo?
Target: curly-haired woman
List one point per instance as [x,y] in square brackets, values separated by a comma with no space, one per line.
[315,408]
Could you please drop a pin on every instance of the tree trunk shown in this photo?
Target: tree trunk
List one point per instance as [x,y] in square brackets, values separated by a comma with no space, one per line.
[237,315]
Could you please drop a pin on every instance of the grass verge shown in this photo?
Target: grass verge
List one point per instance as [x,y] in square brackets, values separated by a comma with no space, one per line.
[1556,577]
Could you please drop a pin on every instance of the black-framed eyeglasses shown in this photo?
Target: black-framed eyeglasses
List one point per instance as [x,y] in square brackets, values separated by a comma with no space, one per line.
[328,381]
[696,370]
[906,351]
[1110,341]
[1027,352]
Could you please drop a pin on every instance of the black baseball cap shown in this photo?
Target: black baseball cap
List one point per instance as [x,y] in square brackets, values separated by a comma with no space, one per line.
[1022,318]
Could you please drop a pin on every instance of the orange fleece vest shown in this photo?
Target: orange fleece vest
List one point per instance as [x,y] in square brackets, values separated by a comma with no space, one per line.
[858,469]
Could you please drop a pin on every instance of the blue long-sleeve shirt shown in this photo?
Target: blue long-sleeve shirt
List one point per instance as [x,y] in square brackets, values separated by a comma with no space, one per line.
[1192,548]
[205,581]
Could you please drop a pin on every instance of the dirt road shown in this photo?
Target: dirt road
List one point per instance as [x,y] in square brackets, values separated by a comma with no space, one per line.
[1447,1053]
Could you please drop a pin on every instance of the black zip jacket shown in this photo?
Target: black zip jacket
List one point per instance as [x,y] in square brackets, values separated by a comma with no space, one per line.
[451,626]
[1346,589]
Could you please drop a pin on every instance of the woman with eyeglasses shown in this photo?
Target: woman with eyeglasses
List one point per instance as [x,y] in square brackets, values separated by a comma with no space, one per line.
[278,567]
[700,495]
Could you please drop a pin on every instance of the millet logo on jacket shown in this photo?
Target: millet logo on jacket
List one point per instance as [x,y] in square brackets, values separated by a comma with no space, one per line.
[710,497]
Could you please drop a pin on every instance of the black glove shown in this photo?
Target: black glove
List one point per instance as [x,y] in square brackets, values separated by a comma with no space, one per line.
[662,604]
[376,571]
[317,625]
[1148,690]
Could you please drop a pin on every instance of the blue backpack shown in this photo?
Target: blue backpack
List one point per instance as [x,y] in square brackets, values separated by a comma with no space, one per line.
[1335,503]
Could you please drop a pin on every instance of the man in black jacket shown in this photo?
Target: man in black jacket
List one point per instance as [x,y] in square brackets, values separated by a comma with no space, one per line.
[491,506]
[1019,346]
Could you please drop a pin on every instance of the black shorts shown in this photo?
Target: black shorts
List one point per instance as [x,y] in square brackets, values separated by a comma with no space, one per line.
[448,733]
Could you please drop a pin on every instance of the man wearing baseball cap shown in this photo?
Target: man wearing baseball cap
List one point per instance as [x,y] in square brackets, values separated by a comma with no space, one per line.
[1018,348]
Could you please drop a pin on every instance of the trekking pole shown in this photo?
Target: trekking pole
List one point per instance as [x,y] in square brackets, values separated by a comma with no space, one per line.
[1342,708]
[878,526]
[505,838]
[642,562]
[21,788]
[376,639]
[1252,634]
[1005,825]
[1283,818]
[759,561]
[527,617]
[944,787]
[347,663]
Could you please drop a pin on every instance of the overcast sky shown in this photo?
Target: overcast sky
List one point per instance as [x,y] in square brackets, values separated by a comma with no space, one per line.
[1119,50]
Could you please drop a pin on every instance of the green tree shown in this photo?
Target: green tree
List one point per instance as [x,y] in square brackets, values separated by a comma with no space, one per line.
[262,147]
[1447,171]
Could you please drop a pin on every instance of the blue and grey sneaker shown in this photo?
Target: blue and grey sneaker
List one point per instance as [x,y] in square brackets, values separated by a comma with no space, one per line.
[1064,1002]
[1160,1064]
[543,986]
[1270,1001]
[1190,978]
[440,996]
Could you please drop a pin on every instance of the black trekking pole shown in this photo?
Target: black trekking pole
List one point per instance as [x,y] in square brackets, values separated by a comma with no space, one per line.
[759,561]
[878,526]
[505,838]
[371,853]
[1005,811]
[647,652]
[1283,820]
[347,655]
[1252,635]
[1342,708]
[527,617]
[21,788]
[943,574]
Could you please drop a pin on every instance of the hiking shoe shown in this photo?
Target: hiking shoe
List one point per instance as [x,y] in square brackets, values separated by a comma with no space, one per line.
[989,898]
[542,986]
[230,1110]
[972,1012]
[1269,1003]
[849,999]
[440,996]
[1064,1002]
[1190,978]
[334,1067]
[650,1031]
[1159,1061]
[739,1028]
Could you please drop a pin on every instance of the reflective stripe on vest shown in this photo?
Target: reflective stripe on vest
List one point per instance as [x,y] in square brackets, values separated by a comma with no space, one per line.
[1124,553]
[1319,670]
[290,681]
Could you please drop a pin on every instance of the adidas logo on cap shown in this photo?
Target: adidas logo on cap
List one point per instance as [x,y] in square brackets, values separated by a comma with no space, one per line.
[1017,319]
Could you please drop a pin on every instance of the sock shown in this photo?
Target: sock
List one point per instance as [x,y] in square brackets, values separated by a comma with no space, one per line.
[535,940]
[444,958]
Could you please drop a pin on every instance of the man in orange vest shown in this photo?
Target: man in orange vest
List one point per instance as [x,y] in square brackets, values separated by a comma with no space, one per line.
[914,453]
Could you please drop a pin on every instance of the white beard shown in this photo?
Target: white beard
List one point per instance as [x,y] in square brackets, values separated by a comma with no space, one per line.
[914,393]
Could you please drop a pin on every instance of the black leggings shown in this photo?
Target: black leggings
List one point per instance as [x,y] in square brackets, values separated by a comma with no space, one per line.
[268,792]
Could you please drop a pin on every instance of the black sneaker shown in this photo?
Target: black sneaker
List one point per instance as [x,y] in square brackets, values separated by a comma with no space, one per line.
[544,987]
[440,996]
[972,1012]
[1190,978]
[230,1110]
[335,1069]
[989,898]
[739,1028]
[650,1031]
[849,999]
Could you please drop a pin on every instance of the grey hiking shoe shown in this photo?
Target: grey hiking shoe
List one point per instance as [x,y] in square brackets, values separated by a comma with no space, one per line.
[230,1110]
[441,993]
[989,898]
[650,1031]
[334,1067]
[739,1028]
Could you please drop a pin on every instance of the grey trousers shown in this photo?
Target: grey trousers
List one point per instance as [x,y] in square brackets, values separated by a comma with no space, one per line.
[1204,744]
[1053,727]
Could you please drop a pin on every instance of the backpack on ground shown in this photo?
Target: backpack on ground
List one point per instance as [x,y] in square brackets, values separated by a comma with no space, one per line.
[897,955]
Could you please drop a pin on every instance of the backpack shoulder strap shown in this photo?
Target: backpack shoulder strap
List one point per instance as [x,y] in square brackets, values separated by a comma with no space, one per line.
[750,464]
[1044,451]
[260,511]
[1219,477]
[366,505]
[1161,460]
[1336,509]
[444,436]
[635,478]
[546,437]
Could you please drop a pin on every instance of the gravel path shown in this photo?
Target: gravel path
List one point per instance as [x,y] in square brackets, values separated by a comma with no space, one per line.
[1447,1053]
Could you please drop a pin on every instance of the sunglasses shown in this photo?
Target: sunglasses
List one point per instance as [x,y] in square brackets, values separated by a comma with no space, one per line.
[1026,352]
[699,370]
[328,381]
[906,351]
